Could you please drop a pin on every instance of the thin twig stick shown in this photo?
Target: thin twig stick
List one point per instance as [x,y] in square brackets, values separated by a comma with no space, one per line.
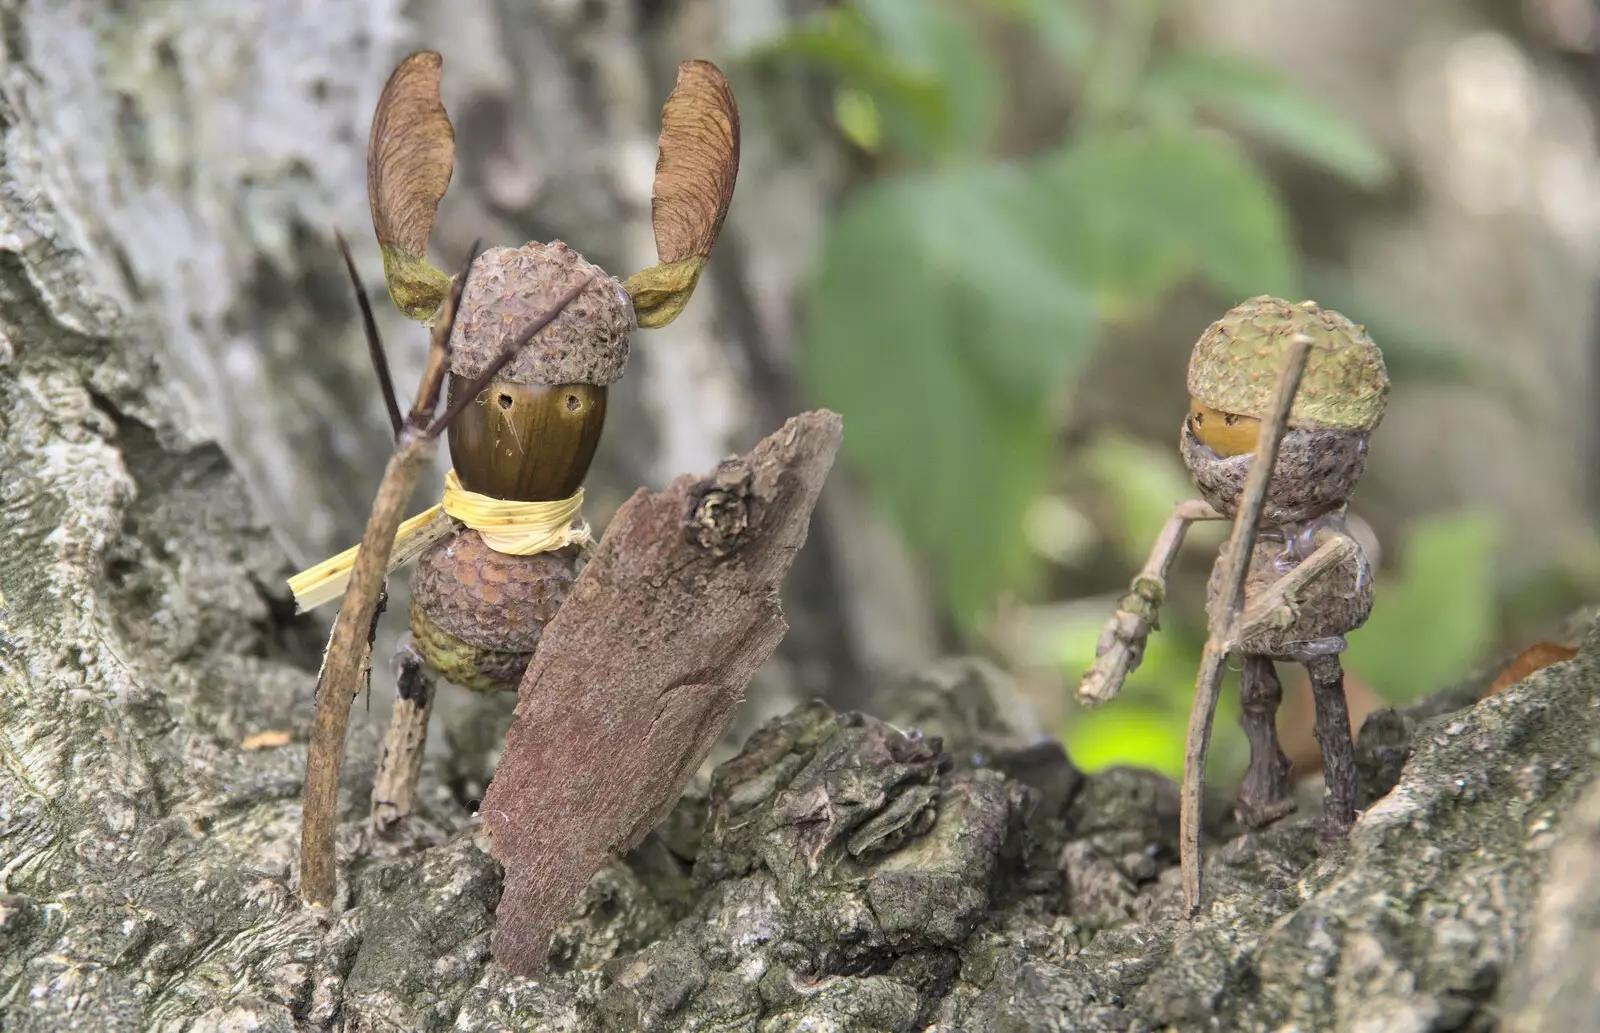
[380,361]
[1121,645]
[1224,616]
[342,667]
[345,661]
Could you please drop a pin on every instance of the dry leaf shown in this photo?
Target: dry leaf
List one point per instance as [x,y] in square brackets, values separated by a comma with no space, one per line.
[1535,658]
[265,740]
[410,157]
[697,164]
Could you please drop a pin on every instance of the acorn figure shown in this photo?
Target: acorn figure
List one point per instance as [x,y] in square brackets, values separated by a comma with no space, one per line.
[535,340]
[1305,582]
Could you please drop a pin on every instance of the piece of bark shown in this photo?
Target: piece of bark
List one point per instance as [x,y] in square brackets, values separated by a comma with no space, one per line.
[638,675]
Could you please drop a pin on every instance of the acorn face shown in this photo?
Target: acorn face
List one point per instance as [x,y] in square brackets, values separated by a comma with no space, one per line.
[526,442]
[1315,473]
[1224,433]
[1233,375]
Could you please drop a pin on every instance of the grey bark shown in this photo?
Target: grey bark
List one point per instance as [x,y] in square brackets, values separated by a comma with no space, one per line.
[839,870]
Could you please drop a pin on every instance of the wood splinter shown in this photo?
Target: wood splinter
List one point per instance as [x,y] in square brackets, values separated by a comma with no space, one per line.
[638,674]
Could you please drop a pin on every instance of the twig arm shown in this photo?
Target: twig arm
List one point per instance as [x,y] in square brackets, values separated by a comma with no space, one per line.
[1275,606]
[1121,645]
[342,667]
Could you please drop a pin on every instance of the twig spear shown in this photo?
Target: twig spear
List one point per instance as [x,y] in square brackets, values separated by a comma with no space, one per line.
[1224,620]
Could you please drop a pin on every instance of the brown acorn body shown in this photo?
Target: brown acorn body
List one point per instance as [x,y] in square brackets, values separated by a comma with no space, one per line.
[1341,603]
[477,615]
[1312,480]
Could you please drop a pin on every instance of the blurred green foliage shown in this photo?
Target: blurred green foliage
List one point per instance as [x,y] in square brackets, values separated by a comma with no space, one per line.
[958,292]
[1435,615]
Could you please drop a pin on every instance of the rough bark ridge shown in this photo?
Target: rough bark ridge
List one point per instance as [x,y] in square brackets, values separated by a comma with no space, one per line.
[636,678]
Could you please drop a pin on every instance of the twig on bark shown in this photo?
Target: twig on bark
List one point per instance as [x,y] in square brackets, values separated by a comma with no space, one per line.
[1275,606]
[637,676]
[1121,645]
[1224,617]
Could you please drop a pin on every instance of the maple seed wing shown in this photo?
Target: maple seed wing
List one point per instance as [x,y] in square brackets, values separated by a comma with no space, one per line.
[697,164]
[410,156]
[695,173]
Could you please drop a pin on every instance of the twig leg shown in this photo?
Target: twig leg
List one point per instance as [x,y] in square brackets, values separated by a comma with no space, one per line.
[1264,795]
[1338,750]
[394,790]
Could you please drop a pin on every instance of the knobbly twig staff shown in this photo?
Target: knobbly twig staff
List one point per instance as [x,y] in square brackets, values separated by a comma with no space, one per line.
[528,340]
[1283,399]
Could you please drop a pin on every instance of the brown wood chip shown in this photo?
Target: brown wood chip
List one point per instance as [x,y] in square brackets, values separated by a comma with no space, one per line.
[1535,658]
[637,676]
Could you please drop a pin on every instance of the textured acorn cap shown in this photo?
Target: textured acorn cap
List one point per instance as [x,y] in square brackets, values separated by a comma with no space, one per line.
[1235,365]
[511,287]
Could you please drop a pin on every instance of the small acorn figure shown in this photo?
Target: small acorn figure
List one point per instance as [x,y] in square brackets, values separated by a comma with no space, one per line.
[1306,583]
[536,336]
[477,606]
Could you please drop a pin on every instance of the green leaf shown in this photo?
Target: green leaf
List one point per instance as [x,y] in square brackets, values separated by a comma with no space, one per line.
[1140,212]
[1432,623]
[1257,99]
[1144,483]
[1060,25]
[938,39]
[911,105]
[1128,735]
[939,329]
[857,115]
